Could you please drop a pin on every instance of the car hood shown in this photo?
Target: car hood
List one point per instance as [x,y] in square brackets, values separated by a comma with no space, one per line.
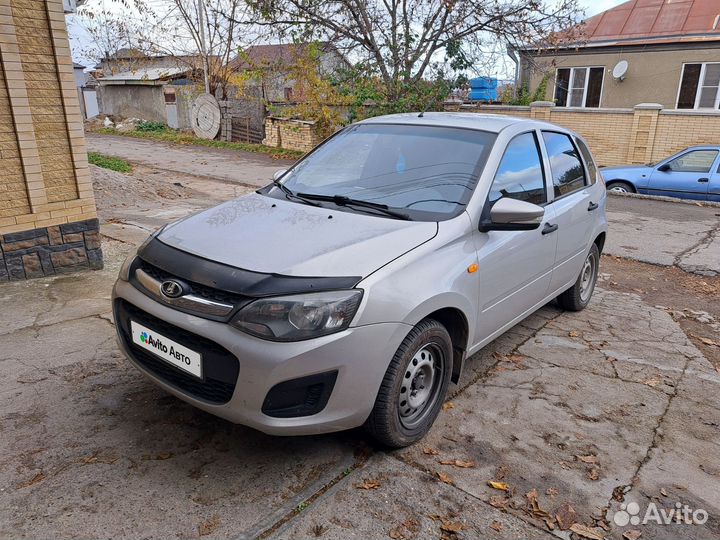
[268,235]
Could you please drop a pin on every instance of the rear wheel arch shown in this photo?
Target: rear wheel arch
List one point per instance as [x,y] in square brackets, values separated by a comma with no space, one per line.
[600,241]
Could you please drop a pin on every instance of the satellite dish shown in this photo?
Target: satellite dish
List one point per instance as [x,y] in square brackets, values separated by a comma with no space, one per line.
[620,70]
[205,116]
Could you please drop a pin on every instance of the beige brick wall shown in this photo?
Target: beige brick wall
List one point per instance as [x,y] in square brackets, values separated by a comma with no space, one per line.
[43,156]
[621,136]
[291,134]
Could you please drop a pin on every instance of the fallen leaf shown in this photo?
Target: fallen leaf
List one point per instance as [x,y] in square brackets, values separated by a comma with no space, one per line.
[532,497]
[498,485]
[632,534]
[549,523]
[663,492]
[652,382]
[445,478]
[208,526]
[39,477]
[551,492]
[457,463]
[587,459]
[448,405]
[496,525]
[411,525]
[498,501]
[368,484]
[430,451]
[396,533]
[574,333]
[164,455]
[593,474]
[451,526]
[586,532]
[565,516]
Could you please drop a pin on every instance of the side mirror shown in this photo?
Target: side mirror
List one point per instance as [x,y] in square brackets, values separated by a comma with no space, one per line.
[664,167]
[513,215]
[277,175]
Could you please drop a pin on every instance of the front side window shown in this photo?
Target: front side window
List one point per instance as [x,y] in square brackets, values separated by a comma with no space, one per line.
[698,161]
[578,87]
[700,86]
[520,173]
[567,170]
[426,172]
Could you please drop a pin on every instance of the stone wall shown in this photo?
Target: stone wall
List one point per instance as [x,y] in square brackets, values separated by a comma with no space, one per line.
[291,134]
[45,180]
[639,135]
[46,251]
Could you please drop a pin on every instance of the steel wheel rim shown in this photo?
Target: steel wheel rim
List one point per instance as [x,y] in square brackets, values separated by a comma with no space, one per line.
[421,385]
[587,278]
[619,189]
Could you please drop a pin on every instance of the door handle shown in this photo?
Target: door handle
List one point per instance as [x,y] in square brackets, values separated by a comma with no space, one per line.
[548,228]
[703,180]
[592,206]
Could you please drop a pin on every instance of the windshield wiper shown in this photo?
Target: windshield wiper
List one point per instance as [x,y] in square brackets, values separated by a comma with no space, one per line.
[291,194]
[342,200]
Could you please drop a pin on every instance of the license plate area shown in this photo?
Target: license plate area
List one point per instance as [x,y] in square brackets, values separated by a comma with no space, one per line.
[170,351]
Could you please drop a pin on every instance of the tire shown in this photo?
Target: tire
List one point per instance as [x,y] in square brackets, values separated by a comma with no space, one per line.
[577,297]
[620,186]
[426,350]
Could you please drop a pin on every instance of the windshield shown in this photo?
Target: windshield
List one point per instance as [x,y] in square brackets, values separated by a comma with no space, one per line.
[427,172]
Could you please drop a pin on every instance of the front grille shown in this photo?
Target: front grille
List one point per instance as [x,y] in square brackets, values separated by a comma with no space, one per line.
[209,293]
[220,367]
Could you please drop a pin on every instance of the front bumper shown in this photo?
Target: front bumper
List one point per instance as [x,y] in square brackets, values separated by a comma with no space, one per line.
[360,355]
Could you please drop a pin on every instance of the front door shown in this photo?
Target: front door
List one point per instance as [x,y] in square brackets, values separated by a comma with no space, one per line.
[515,266]
[686,176]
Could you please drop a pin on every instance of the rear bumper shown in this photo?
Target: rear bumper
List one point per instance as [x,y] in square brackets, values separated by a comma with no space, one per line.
[360,355]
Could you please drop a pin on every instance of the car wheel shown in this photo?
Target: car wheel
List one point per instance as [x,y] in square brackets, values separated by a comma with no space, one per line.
[414,387]
[578,296]
[618,186]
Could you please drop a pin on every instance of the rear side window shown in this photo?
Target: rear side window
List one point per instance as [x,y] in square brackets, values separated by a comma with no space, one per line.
[588,159]
[520,174]
[567,171]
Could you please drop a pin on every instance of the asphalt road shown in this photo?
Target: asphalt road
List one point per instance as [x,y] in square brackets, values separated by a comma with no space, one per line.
[665,233]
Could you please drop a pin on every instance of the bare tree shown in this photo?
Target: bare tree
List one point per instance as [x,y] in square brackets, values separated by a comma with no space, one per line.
[404,39]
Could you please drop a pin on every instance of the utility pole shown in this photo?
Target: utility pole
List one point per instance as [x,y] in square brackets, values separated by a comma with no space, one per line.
[203,51]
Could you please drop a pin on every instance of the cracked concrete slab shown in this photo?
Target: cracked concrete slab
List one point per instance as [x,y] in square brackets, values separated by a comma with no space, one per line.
[407,503]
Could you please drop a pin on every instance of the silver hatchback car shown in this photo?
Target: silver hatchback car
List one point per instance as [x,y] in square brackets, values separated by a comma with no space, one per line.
[350,290]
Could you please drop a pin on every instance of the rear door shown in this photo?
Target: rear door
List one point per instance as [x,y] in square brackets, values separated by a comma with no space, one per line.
[714,184]
[686,175]
[575,200]
[515,266]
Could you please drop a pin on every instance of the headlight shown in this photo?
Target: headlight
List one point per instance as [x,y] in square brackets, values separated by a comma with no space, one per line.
[124,273]
[297,317]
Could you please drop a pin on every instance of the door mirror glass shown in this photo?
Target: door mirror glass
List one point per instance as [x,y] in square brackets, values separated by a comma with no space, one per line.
[513,215]
[279,174]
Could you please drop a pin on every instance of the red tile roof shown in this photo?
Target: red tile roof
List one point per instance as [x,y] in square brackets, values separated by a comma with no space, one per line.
[654,21]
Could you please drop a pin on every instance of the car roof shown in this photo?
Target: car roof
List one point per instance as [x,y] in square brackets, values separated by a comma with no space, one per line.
[493,123]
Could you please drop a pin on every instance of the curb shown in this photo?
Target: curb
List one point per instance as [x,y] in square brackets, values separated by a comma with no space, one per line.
[709,204]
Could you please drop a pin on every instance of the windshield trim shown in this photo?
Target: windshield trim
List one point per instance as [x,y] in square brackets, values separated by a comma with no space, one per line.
[414,215]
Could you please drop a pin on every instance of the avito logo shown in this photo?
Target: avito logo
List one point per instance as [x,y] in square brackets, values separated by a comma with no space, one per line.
[147,339]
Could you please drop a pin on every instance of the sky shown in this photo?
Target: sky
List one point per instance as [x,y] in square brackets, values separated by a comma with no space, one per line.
[80,40]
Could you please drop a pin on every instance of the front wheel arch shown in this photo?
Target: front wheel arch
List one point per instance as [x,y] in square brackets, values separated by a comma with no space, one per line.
[618,182]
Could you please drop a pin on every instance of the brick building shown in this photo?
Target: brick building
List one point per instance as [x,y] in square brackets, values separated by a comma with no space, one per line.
[48,219]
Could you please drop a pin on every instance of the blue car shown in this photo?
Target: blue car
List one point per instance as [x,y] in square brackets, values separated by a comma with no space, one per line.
[693,173]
